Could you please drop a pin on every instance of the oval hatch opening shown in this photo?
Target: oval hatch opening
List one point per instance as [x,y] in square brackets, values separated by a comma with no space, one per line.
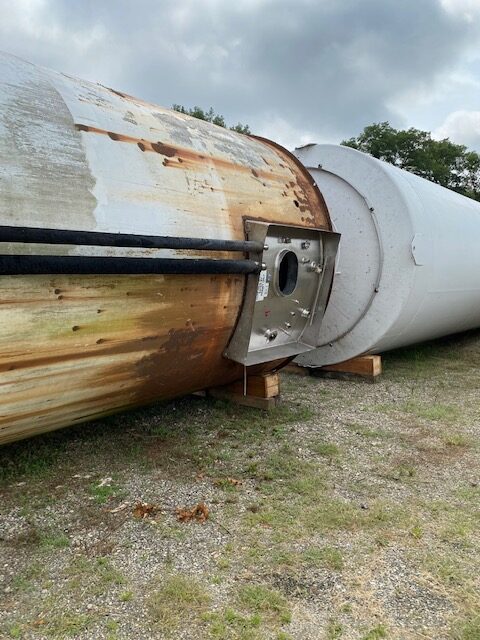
[287,273]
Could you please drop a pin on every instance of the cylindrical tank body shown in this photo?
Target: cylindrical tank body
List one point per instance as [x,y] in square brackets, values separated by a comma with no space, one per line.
[76,155]
[408,266]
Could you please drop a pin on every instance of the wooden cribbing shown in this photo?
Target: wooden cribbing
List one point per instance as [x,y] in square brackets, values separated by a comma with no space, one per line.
[366,367]
[363,367]
[262,391]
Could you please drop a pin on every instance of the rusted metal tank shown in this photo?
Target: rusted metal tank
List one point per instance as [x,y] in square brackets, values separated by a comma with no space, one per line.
[92,324]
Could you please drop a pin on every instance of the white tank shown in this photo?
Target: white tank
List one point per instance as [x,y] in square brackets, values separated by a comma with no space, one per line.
[408,267]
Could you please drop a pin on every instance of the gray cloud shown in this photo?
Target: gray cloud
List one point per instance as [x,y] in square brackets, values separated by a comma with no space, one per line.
[327,67]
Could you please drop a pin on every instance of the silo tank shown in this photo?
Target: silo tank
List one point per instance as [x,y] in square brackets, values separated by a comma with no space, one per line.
[140,252]
[408,265]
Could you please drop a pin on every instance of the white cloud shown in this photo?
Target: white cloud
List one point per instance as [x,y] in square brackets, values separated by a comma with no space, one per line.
[300,70]
[462,127]
[278,129]
[467,9]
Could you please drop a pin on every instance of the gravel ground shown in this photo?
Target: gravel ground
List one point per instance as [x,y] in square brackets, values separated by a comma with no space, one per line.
[351,511]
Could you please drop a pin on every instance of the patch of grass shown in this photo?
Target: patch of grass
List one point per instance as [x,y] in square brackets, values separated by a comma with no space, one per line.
[467,629]
[312,557]
[376,633]
[93,576]
[327,557]
[35,536]
[401,471]
[416,532]
[436,412]
[447,568]
[126,596]
[458,528]
[22,460]
[334,630]
[433,412]
[282,464]
[326,449]
[418,361]
[15,631]
[54,539]
[112,627]
[298,517]
[246,423]
[179,598]
[103,493]
[471,493]
[332,514]
[107,572]
[23,581]
[231,624]
[66,625]
[456,439]
[259,599]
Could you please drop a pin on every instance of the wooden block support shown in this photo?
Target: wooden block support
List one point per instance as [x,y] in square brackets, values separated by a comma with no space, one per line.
[263,391]
[363,367]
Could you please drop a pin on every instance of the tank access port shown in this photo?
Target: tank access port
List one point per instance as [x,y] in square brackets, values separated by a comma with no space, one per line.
[284,304]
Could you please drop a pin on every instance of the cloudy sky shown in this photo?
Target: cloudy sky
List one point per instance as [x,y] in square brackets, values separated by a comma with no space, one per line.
[296,70]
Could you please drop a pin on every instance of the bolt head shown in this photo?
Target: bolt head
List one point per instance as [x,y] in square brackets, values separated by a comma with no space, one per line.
[271,334]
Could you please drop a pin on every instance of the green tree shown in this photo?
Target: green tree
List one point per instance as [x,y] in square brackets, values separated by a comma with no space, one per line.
[211,116]
[441,161]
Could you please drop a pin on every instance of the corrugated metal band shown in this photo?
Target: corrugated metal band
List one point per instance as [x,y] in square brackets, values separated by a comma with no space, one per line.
[95,238]
[65,265]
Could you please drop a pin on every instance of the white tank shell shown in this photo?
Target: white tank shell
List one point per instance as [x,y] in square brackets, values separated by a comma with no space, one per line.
[408,267]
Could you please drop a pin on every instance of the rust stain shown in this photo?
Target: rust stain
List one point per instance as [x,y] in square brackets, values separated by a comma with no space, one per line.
[137,350]
[308,197]
[183,155]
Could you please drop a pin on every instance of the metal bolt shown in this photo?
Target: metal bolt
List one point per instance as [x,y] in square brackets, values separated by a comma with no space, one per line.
[376,289]
[270,334]
[264,266]
[292,313]
[288,325]
[305,313]
[305,260]
[306,244]
[265,247]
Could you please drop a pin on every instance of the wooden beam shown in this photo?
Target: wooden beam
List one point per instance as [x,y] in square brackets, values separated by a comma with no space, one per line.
[362,367]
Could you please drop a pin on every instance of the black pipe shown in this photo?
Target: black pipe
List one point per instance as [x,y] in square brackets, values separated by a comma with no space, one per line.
[14,265]
[95,238]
